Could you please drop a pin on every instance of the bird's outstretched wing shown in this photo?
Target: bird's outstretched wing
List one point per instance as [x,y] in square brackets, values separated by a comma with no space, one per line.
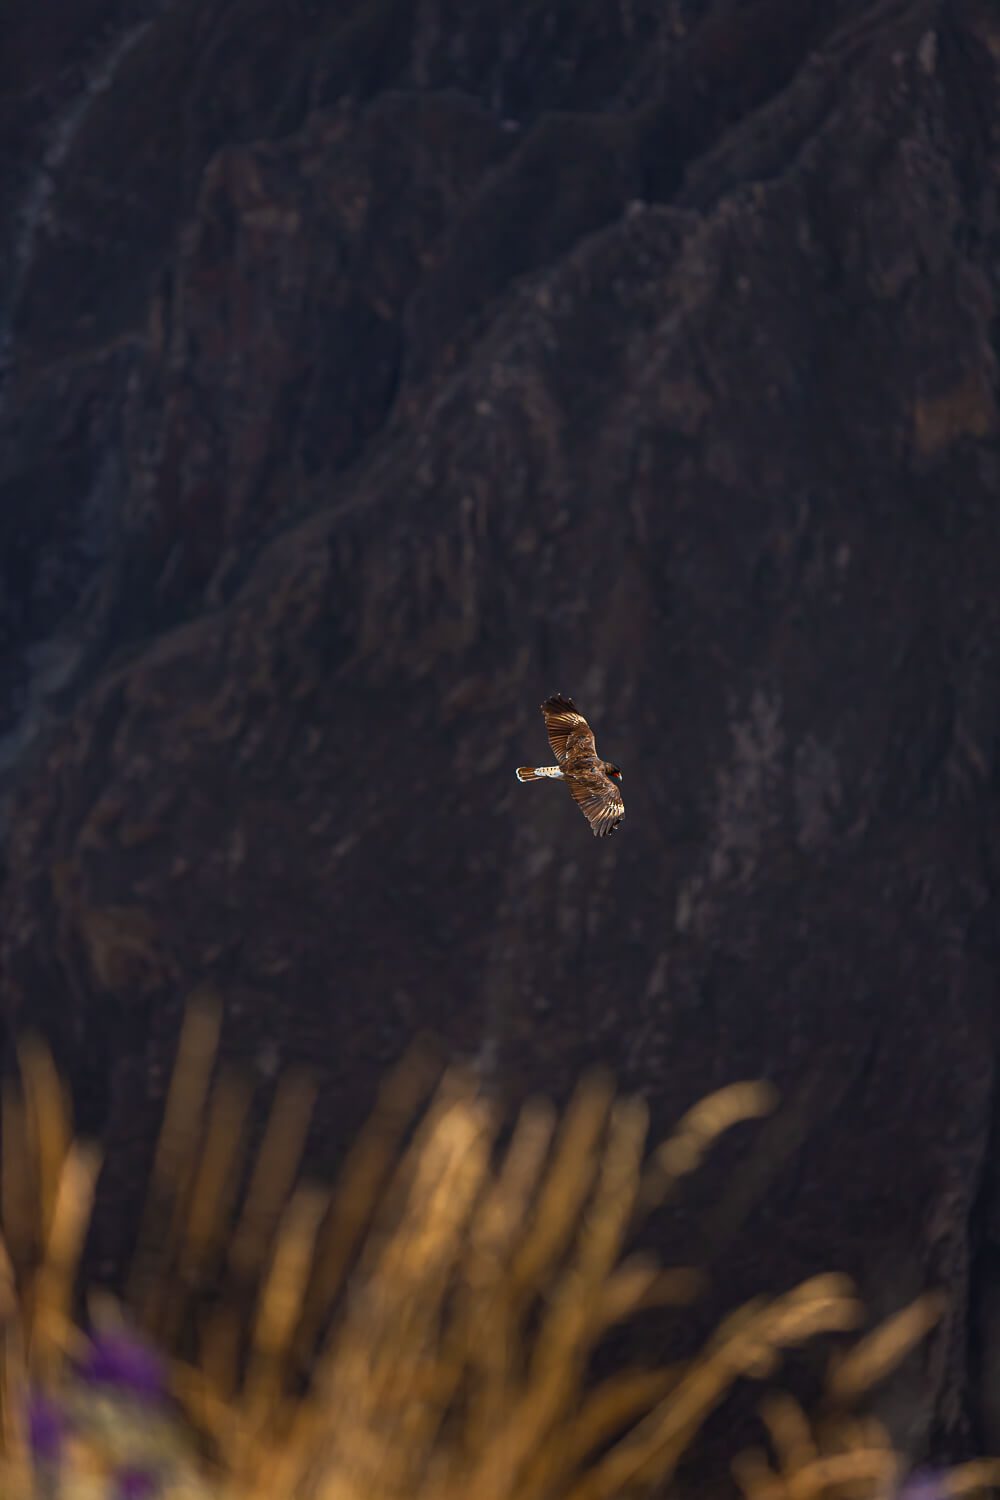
[563,719]
[601,805]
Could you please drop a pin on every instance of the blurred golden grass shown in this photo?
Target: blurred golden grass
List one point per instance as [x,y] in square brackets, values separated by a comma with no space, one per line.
[426,1330]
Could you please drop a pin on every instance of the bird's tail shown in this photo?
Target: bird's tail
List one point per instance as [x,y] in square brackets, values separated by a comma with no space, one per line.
[538,773]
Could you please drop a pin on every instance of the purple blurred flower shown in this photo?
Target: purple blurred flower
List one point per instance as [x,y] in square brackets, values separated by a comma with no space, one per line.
[922,1484]
[136,1484]
[46,1429]
[119,1359]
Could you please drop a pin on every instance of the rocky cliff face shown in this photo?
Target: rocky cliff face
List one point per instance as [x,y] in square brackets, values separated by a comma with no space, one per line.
[372,371]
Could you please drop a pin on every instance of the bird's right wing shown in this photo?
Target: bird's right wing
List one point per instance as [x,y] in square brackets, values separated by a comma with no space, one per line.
[562,719]
[602,806]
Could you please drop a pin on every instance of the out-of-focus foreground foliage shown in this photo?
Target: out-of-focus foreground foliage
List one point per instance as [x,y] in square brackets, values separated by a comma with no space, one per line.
[424,1331]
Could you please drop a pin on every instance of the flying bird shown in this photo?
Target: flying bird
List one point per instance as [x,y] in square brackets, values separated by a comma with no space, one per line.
[594,783]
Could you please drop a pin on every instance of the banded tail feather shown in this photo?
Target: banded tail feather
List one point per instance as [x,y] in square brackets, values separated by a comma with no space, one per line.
[538,773]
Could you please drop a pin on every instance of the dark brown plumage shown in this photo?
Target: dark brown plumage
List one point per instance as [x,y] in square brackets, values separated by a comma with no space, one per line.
[593,782]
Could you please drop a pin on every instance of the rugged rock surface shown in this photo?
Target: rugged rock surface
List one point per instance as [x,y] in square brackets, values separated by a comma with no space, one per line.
[367,379]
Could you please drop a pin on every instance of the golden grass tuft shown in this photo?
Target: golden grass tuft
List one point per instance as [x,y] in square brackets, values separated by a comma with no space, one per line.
[425,1330]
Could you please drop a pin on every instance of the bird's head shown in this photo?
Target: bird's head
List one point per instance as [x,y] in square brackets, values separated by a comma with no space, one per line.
[615,772]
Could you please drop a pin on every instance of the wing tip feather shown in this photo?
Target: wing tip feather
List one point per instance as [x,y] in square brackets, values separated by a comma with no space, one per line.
[556,702]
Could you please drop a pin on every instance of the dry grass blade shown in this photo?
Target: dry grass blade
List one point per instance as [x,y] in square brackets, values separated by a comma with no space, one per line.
[790,1432]
[448,1172]
[567,1183]
[19,1188]
[273,1175]
[258,1414]
[174,1163]
[218,1176]
[13,1368]
[966,1479]
[870,1360]
[826,1475]
[685,1150]
[53,1330]
[48,1131]
[755,1477]
[281,1298]
[639,1285]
